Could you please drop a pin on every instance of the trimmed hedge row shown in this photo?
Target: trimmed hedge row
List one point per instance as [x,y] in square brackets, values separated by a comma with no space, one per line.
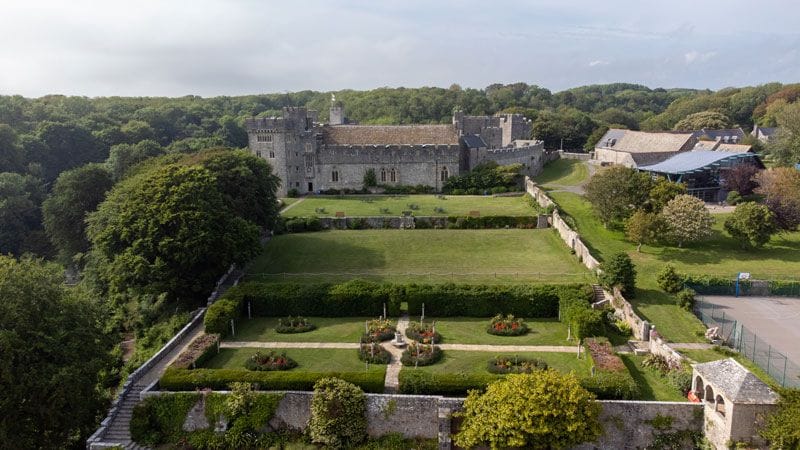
[220,379]
[361,298]
[711,285]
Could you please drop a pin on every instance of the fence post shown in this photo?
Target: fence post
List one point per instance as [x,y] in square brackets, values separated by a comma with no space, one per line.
[769,356]
[755,338]
[783,380]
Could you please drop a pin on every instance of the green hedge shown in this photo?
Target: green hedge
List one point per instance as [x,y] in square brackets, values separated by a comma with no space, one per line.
[160,419]
[711,285]
[611,385]
[220,379]
[488,222]
[219,314]
[361,298]
[418,382]
[576,310]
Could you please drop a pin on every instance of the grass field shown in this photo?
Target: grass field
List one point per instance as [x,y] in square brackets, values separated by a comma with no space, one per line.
[467,256]
[308,359]
[476,362]
[288,201]
[394,205]
[651,385]
[329,329]
[563,172]
[470,330]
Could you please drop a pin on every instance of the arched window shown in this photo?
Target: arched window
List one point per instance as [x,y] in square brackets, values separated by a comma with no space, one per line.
[383,175]
[709,394]
[335,176]
[445,174]
[698,387]
[393,176]
[268,138]
[271,154]
[720,405]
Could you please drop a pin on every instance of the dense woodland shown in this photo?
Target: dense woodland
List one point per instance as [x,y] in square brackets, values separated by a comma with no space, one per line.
[126,192]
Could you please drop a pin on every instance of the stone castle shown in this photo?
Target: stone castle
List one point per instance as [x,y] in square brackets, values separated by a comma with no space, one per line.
[309,156]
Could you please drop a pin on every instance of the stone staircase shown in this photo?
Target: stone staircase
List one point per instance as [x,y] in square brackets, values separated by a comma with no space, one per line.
[599,299]
[118,432]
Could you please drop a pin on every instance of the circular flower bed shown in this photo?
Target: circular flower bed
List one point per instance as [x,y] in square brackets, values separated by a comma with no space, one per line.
[270,361]
[374,353]
[294,325]
[513,364]
[507,326]
[421,355]
[379,330]
[423,333]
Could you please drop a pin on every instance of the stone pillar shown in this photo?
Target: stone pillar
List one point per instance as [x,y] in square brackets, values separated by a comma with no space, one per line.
[645,330]
[445,417]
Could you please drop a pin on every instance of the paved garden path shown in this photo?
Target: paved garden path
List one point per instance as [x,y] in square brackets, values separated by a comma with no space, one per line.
[391,348]
[292,205]
[257,344]
[691,346]
[391,384]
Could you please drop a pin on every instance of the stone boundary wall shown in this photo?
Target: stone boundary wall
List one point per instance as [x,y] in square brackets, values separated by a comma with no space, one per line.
[568,235]
[640,328]
[579,156]
[136,375]
[659,347]
[626,424]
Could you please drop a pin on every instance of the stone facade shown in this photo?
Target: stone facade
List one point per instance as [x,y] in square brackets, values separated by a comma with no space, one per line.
[309,157]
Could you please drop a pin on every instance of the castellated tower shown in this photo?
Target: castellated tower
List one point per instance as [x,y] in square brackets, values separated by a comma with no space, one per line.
[337,112]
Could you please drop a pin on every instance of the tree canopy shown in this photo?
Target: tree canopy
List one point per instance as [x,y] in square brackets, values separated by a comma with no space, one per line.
[617,192]
[54,350]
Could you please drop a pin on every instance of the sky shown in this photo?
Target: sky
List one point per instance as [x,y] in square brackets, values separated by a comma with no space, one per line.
[235,47]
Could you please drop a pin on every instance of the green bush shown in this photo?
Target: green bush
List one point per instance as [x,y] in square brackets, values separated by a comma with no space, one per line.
[514,364]
[374,353]
[611,385]
[338,414]
[424,383]
[420,355]
[220,379]
[669,279]
[219,315]
[685,299]
[158,420]
[733,198]
[575,310]
[292,193]
[619,271]
[507,325]
[491,222]
[269,361]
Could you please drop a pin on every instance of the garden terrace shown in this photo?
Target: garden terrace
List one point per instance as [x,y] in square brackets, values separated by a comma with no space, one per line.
[435,256]
[419,205]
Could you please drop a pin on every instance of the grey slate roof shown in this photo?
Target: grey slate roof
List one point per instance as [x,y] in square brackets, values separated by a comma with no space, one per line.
[643,141]
[720,134]
[691,161]
[474,141]
[738,384]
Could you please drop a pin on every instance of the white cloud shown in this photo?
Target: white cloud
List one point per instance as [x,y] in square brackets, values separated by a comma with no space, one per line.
[695,56]
[599,62]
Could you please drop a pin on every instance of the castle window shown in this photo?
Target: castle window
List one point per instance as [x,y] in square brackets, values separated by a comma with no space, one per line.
[383,175]
[335,176]
[258,153]
[445,174]
[308,147]
[296,184]
[271,154]
[393,176]
[297,168]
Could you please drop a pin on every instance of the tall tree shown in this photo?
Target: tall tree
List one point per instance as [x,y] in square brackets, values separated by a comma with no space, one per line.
[12,158]
[54,348]
[785,149]
[662,192]
[751,225]
[76,192]
[124,156]
[617,192]
[741,179]
[712,120]
[688,219]
[20,214]
[781,190]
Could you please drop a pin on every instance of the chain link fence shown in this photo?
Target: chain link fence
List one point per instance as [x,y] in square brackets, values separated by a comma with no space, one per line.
[749,345]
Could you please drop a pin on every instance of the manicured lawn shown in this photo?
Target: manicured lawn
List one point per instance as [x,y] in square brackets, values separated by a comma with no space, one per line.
[651,385]
[563,172]
[476,362]
[309,360]
[394,205]
[721,255]
[288,201]
[466,256]
[329,329]
[469,330]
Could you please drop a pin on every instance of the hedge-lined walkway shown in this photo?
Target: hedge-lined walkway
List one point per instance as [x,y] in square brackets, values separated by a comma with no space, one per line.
[388,345]
[391,384]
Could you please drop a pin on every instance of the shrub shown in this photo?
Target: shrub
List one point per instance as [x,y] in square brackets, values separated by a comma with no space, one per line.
[421,355]
[542,410]
[483,178]
[656,362]
[680,379]
[292,193]
[374,353]
[297,324]
[379,330]
[199,351]
[669,279]
[424,383]
[270,361]
[369,178]
[611,385]
[514,364]
[219,315]
[781,428]
[751,224]
[587,322]
[220,379]
[507,326]
[733,198]
[685,299]
[619,271]
[158,420]
[338,414]
[491,222]
[423,333]
[687,219]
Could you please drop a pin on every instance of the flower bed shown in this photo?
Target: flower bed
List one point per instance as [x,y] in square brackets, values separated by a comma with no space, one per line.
[374,353]
[270,361]
[513,364]
[423,332]
[379,330]
[611,380]
[421,355]
[294,325]
[507,326]
[201,349]
[603,356]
